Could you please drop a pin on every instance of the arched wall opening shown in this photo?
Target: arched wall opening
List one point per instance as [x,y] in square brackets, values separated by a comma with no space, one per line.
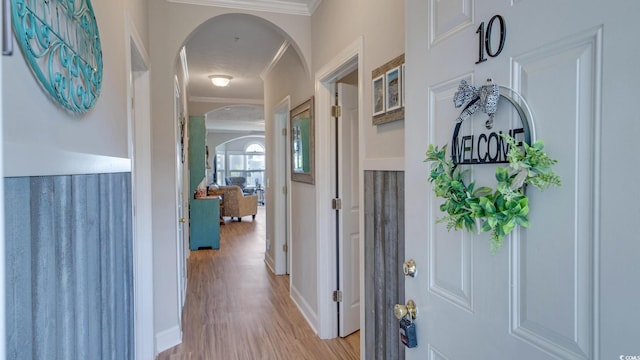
[171,26]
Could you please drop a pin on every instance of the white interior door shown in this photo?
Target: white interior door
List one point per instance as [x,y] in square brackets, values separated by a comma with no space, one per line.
[560,289]
[348,191]
[140,128]
[278,187]
[181,236]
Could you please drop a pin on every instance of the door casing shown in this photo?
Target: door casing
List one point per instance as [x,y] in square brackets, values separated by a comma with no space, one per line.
[345,62]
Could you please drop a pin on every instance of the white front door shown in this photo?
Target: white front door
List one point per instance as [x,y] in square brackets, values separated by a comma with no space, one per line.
[566,287]
[348,224]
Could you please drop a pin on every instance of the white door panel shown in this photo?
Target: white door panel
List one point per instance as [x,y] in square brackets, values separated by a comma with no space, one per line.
[559,288]
[348,190]
[182,238]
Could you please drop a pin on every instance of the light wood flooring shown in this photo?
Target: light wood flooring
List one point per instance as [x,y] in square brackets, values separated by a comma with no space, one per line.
[236,309]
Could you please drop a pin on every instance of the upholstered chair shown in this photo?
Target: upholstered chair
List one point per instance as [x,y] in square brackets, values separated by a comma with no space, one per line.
[236,180]
[236,204]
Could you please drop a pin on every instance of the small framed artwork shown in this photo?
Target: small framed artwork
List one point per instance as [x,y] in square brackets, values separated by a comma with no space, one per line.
[388,91]
[379,100]
[303,143]
[393,89]
[402,72]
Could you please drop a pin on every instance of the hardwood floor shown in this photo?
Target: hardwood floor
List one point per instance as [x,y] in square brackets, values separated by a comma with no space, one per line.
[237,309]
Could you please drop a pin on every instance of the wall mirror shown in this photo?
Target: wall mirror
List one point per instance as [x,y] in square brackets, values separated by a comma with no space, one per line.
[302,143]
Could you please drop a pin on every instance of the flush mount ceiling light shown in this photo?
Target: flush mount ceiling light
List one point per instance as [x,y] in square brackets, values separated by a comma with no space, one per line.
[220,80]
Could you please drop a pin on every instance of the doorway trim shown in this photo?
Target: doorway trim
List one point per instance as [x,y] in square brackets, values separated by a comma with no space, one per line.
[281,204]
[349,59]
[139,129]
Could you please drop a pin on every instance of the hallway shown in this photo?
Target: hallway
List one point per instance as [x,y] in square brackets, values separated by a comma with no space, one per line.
[237,309]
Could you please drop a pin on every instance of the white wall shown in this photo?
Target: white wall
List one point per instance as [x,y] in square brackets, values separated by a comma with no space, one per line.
[337,24]
[216,138]
[288,78]
[42,138]
[170,25]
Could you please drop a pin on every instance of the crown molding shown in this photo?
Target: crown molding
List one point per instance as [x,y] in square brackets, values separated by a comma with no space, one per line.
[219,100]
[276,57]
[276,6]
[313,5]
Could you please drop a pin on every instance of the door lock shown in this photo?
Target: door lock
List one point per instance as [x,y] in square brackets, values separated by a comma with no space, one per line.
[400,311]
[409,268]
[182,220]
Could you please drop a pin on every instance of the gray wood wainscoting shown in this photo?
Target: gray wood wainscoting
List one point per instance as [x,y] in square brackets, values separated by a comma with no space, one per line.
[69,268]
[384,255]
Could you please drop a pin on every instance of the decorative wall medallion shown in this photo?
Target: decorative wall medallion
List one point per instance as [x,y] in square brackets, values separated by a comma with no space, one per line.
[60,40]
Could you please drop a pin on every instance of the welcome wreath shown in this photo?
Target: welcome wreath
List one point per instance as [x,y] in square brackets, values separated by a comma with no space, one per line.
[496,210]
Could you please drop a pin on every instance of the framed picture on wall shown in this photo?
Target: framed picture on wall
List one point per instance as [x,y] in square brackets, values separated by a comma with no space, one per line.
[393,89]
[388,91]
[378,95]
[402,72]
[303,143]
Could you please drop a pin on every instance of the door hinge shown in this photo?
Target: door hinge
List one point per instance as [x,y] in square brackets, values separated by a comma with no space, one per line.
[336,111]
[337,296]
[284,190]
[336,204]
[285,248]
[284,131]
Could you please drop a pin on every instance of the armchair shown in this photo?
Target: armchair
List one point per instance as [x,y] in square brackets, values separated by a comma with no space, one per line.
[240,181]
[236,204]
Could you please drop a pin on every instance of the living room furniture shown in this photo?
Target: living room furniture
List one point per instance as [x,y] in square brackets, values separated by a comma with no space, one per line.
[236,204]
[215,191]
[205,223]
[240,181]
[204,213]
[260,193]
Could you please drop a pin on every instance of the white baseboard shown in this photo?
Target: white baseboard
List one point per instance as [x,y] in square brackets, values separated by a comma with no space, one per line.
[269,261]
[305,309]
[168,338]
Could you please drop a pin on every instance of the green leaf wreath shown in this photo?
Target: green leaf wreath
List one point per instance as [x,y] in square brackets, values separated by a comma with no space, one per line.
[499,210]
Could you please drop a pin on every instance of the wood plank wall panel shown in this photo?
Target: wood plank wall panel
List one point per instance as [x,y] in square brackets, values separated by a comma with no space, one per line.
[69,268]
[384,255]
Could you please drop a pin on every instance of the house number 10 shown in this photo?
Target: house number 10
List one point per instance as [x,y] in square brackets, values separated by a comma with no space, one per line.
[484,39]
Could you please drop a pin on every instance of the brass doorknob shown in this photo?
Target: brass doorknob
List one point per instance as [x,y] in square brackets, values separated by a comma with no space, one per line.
[182,220]
[400,311]
[409,268]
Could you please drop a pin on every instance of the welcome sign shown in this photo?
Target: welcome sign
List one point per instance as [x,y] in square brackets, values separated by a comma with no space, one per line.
[484,144]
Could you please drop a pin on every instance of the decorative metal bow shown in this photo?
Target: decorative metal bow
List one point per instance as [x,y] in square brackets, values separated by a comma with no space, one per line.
[484,98]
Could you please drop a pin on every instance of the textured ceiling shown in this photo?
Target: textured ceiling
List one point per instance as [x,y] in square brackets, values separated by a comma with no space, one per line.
[237,118]
[237,45]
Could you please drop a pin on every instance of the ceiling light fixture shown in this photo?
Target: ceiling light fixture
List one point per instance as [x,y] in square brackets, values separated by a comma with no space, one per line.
[220,80]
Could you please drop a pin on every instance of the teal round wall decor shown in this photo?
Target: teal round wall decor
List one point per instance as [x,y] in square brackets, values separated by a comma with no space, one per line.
[60,40]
